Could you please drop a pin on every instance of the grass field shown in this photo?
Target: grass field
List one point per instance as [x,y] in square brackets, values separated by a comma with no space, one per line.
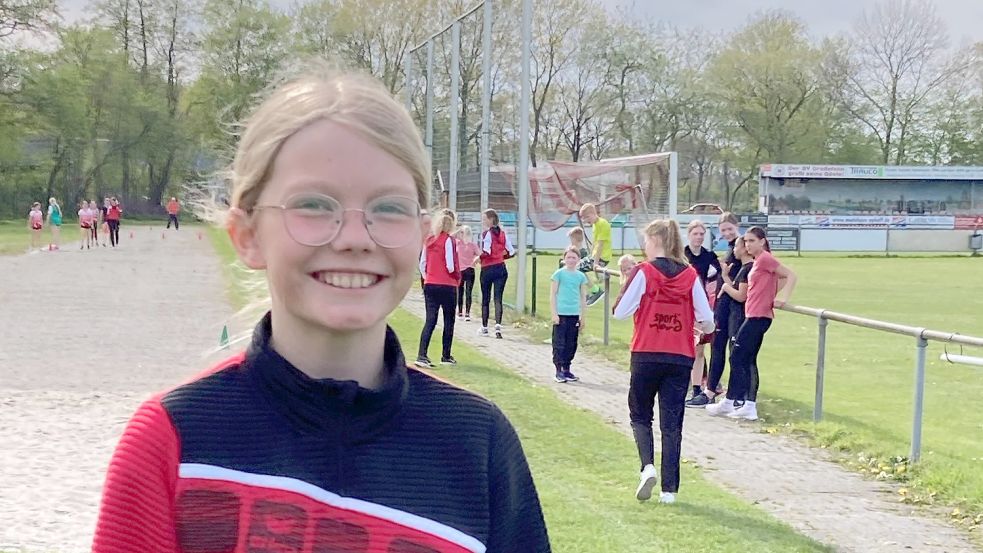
[585,471]
[869,375]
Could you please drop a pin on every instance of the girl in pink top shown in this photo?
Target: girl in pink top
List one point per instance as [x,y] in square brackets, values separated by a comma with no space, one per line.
[468,255]
[35,222]
[768,280]
[85,225]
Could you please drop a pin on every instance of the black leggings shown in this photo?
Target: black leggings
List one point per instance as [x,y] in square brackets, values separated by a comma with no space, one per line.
[465,291]
[113,231]
[492,276]
[565,335]
[721,338]
[437,297]
[670,382]
[743,383]
[170,219]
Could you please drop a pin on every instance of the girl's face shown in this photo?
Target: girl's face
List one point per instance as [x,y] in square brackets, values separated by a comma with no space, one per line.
[753,244]
[626,266]
[696,236]
[351,283]
[728,231]
[485,222]
[570,260]
[740,251]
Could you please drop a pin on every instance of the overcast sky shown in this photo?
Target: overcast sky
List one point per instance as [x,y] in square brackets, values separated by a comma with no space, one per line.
[823,17]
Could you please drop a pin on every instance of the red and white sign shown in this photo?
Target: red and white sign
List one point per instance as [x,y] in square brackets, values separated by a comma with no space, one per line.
[969,222]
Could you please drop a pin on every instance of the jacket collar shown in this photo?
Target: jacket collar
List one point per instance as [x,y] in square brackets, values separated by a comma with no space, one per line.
[340,407]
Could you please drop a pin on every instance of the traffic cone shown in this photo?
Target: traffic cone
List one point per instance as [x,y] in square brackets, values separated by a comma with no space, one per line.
[223,341]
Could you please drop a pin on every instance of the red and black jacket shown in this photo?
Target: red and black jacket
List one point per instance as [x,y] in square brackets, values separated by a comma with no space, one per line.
[254,455]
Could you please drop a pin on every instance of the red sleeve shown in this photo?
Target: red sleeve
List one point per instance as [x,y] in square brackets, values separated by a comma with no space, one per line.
[766,262]
[137,511]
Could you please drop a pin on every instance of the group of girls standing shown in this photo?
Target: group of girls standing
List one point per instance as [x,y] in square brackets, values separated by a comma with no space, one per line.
[447,266]
[89,217]
[670,296]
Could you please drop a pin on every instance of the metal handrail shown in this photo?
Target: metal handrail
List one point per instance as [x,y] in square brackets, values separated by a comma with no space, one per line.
[823,316]
[914,332]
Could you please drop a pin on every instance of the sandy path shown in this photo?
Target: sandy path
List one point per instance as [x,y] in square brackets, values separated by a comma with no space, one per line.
[84,338]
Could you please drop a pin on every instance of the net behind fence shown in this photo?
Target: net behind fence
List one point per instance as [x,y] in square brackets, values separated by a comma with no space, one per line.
[637,186]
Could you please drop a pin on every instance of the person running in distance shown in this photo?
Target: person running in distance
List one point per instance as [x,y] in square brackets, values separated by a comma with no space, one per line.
[667,299]
[113,214]
[602,247]
[85,225]
[707,267]
[319,437]
[94,230]
[103,211]
[439,266]
[35,223]
[721,314]
[469,255]
[173,208]
[568,304]
[770,285]
[496,247]
[54,223]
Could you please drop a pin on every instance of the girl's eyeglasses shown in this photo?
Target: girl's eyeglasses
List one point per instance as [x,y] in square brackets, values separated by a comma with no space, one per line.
[316,219]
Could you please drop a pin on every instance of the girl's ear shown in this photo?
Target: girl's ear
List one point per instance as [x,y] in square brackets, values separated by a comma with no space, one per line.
[245,240]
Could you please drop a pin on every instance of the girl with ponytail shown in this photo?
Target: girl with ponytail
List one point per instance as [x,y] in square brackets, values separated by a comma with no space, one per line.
[668,301]
[767,280]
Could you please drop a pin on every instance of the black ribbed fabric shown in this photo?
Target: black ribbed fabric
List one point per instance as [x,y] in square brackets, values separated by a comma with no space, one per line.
[417,444]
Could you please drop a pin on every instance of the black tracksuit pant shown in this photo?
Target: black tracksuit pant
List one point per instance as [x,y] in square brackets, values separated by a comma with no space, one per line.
[651,377]
[437,297]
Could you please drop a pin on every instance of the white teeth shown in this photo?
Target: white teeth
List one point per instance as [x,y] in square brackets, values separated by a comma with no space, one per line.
[347,280]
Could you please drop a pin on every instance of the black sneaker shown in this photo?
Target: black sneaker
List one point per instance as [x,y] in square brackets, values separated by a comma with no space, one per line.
[423,363]
[560,377]
[593,297]
[699,401]
[448,361]
[570,376]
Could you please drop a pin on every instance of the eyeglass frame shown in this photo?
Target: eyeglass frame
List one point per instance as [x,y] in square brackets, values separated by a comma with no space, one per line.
[421,213]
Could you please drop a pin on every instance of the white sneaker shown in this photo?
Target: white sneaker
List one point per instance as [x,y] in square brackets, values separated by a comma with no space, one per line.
[646,483]
[483,331]
[748,411]
[721,409]
[667,498]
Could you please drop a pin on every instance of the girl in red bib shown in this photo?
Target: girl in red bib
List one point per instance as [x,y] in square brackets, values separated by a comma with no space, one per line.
[441,276]
[668,302]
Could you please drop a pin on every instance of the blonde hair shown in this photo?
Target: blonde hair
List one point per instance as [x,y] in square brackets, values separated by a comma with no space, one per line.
[576,231]
[443,221]
[667,231]
[621,261]
[695,223]
[588,208]
[358,102]
[465,230]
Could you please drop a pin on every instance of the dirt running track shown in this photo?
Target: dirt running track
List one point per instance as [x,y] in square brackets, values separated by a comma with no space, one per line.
[84,338]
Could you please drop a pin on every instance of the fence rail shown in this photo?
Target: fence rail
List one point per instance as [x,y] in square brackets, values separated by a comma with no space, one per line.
[824,316]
